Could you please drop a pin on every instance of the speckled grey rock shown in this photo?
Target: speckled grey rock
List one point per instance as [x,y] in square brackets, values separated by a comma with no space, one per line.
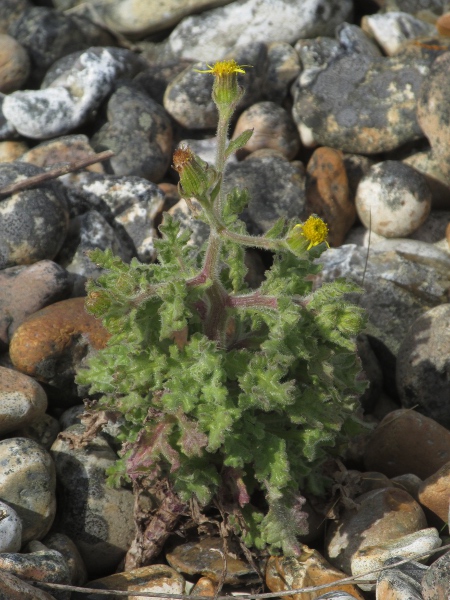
[393,199]
[272,126]
[98,518]
[416,6]
[26,289]
[188,99]
[395,584]
[283,66]
[139,132]
[316,52]
[13,588]
[336,595]
[10,529]
[391,30]
[14,64]
[358,102]
[67,101]
[198,229]
[276,188]
[10,11]
[27,466]
[33,222]
[423,365]
[402,279]
[129,204]
[433,111]
[157,75]
[43,565]
[22,400]
[87,232]
[214,33]
[48,34]
[436,582]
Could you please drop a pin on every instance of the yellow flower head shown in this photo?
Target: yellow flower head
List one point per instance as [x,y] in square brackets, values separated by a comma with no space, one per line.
[223,68]
[315,230]
[305,235]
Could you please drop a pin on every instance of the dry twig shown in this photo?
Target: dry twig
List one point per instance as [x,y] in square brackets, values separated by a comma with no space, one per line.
[35,180]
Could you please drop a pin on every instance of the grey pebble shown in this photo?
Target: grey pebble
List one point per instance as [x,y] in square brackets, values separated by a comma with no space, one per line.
[33,222]
[27,466]
[139,132]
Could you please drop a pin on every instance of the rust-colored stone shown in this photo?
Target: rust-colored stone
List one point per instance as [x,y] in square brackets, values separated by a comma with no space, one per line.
[327,193]
[443,25]
[58,334]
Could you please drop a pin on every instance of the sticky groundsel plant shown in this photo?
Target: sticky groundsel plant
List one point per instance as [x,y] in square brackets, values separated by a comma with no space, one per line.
[228,395]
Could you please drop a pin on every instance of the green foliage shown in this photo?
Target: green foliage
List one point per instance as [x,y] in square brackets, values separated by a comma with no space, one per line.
[226,391]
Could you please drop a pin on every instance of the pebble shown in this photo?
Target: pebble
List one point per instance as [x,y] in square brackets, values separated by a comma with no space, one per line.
[65,546]
[27,466]
[392,29]
[10,529]
[272,127]
[43,429]
[393,199]
[380,517]
[214,33]
[283,66]
[22,400]
[139,132]
[408,482]
[205,558]
[396,585]
[276,188]
[33,222]
[390,450]
[51,343]
[10,11]
[65,149]
[432,111]
[423,361]
[401,278]
[327,193]
[48,34]
[359,103]
[43,565]
[434,493]
[308,569]
[129,204]
[25,290]
[188,100]
[68,101]
[436,581]
[99,519]
[372,557]
[11,151]
[13,588]
[159,579]
[14,64]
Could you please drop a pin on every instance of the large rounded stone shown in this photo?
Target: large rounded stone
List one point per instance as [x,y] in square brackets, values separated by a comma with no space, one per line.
[22,400]
[33,222]
[27,483]
[51,343]
[97,517]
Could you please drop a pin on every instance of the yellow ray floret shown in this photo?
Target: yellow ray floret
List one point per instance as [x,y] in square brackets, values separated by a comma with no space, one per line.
[223,68]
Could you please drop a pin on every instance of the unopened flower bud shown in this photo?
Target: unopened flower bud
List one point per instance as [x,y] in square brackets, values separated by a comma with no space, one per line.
[195,174]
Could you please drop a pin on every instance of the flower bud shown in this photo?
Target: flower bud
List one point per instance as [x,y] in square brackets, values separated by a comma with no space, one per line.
[226,91]
[195,175]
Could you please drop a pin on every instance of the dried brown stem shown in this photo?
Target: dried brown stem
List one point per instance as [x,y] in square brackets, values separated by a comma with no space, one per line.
[153,532]
[54,173]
